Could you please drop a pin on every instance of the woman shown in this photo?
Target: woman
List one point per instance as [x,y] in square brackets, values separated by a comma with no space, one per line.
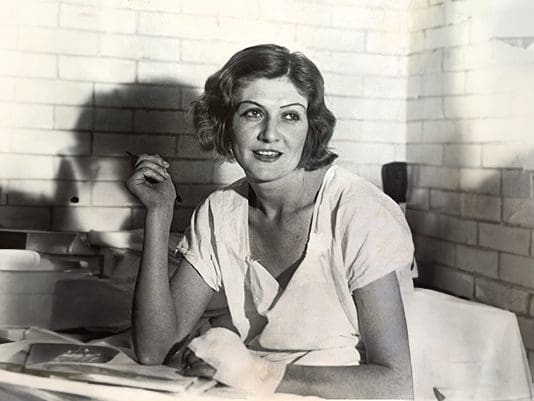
[307,255]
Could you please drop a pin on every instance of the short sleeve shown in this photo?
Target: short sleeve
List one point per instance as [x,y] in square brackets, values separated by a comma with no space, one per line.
[197,245]
[376,241]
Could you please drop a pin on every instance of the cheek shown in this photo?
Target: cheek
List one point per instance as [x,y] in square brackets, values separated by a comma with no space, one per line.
[300,135]
[238,132]
[239,136]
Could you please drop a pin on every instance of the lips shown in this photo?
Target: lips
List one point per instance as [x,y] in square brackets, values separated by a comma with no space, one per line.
[267,155]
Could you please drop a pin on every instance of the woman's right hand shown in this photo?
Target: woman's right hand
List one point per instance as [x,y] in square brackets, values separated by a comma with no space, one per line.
[151,183]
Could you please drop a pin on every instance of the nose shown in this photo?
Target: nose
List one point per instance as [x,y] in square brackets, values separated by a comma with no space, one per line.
[269,131]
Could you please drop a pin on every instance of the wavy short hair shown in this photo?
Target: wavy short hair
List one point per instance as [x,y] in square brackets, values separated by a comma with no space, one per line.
[211,115]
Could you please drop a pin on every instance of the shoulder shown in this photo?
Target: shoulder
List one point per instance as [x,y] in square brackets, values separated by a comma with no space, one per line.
[353,192]
[226,198]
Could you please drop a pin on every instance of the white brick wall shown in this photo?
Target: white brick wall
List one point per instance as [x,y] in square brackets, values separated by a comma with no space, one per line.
[509,239]
[527,329]
[477,260]
[34,141]
[140,47]
[517,184]
[368,109]
[52,91]
[433,250]
[34,13]
[345,85]
[45,40]
[481,207]
[519,212]
[100,218]
[425,154]
[445,201]
[6,88]
[97,18]
[81,82]
[485,181]
[16,115]
[364,153]
[15,166]
[155,121]
[452,281]
[484,126]
[96,69]
[502,296]
[380,131]
[73,117]
[113,120]
[298,12]
[438,84]
[516,269]
[25,217]
[463,155]
[27,64]
[8,37]
[174,25]
[174,73]
[418,198]
[112,144]
[139,96]
[435,177]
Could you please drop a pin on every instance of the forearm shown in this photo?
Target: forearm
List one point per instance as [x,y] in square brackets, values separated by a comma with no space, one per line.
[154,319]
[364,381]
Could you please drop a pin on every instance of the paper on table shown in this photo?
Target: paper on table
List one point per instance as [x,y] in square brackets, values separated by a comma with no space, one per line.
[99,364]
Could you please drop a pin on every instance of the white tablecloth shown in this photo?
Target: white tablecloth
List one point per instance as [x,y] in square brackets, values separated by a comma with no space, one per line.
[466,350]
[461,349]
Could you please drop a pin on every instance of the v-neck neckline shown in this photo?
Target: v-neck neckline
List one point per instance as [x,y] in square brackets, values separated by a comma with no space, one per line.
[311,232]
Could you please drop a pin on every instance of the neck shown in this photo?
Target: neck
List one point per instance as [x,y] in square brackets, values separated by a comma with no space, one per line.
[289,194]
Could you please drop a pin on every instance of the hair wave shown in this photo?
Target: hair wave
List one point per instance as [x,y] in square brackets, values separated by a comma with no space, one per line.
[211,114]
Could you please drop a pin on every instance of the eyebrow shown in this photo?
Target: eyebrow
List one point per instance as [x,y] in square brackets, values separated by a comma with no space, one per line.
[259,105]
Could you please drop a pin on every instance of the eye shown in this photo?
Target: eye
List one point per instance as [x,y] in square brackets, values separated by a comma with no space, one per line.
[291,116]
[253,113]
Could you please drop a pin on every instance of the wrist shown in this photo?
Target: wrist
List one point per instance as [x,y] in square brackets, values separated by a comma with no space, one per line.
[161,213]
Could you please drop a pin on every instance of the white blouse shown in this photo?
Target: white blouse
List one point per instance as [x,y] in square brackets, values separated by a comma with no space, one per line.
[357,235]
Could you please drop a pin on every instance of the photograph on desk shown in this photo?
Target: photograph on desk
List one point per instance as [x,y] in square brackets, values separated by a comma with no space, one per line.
[267,199]
[94,364]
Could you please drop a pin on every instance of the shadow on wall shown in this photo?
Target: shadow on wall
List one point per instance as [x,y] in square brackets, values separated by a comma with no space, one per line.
[88,189]
[471,153]
[462,218]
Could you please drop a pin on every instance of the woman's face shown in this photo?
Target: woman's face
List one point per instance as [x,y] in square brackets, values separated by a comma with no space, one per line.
[270,125]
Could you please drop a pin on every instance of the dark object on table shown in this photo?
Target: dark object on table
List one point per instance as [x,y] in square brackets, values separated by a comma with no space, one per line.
[43,353]
[439,396]
[395,180]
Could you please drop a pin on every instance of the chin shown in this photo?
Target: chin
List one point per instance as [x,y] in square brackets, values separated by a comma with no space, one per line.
[267,174]
[263,176]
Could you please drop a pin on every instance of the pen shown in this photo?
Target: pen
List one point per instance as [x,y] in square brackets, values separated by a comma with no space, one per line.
[133,156]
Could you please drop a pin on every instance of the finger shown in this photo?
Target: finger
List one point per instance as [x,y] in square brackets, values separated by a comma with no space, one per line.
[149,175]
[204,370]
[152,158]
[153,166]
[191,359]
[186,355]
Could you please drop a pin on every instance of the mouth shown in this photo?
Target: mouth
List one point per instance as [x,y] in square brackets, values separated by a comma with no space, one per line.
[267,155]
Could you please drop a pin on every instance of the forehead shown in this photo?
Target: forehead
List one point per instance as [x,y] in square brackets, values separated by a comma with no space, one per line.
[276,91]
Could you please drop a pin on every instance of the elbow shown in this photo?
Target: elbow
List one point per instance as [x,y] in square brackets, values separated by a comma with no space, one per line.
[151,360]
[149,356]
[147,352]
[404,388]
[401,382]
[159,355]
